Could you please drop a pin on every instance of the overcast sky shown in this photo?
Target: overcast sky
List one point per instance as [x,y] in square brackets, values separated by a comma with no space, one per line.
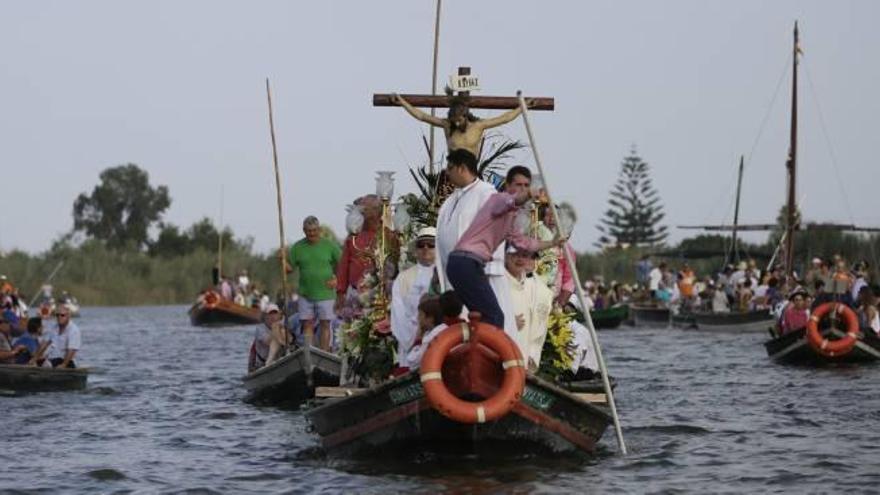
[177,87]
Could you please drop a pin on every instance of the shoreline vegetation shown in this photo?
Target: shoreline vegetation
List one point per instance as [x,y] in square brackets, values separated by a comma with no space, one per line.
[121,253]
[102,276]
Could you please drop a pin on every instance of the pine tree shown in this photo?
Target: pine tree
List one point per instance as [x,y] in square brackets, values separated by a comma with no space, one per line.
[634,214]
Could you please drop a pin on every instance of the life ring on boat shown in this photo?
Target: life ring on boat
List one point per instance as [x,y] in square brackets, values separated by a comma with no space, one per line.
[45,311]
[837,347]
[460,410]
[211,300]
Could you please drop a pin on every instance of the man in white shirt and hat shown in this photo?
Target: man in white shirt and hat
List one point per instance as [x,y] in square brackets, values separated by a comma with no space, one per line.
[408,289]
[65,340]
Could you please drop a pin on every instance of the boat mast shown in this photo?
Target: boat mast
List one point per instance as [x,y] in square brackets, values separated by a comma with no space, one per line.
[733,255]
[791,165]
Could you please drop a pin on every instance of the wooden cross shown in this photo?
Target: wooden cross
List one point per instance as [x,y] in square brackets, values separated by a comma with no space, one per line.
[485,102]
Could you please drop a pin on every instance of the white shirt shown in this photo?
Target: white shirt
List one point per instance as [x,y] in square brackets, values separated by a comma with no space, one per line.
[406,292]
[532,299]
[455,216]
[61,342]
[655,277]
[585,355]
[414,357]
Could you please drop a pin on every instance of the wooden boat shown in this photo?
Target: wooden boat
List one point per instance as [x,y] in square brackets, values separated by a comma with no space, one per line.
[292,379]
[748,321]
[211,310]
[649,316]
[793,348]
[609,317]
[399,413]
[22,378]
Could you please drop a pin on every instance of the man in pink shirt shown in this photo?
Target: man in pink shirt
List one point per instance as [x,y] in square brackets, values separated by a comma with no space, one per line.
[493,224]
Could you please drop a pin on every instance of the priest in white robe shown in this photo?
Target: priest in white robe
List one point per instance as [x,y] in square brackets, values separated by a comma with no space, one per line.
[408,289]
[531,301]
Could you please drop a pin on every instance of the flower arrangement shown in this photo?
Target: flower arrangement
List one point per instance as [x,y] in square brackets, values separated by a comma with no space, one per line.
[559,350]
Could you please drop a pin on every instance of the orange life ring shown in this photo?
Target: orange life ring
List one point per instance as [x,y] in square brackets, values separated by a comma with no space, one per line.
[45,311]
[460,410]
[211,300]
[833,347]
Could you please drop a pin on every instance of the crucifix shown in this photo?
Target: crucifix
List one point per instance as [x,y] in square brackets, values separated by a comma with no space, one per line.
[463,130]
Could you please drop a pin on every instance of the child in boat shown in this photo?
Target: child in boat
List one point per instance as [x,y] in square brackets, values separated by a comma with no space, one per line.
[30,340]
[435,315]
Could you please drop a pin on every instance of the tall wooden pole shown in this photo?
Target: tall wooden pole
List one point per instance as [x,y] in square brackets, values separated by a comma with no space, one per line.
[609,393]
[283,251]
[791,165]
[734,247]
[220,240]
[434,85]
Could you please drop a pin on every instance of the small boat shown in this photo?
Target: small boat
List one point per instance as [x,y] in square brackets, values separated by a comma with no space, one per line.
[748,321]
[795,348]
[211,310]
[609,317]
[402,413]
[21,378]
[649,316]
[292,379]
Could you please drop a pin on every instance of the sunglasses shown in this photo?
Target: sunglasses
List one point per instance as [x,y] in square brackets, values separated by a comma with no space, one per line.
[422,245]
[61,315]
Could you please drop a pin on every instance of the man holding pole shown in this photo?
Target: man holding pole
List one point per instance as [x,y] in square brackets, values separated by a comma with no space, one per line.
[316,259]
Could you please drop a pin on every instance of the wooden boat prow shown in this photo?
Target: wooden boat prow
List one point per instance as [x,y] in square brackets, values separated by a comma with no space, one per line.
[286,381]
[22,378]
[222,313]
[793,348]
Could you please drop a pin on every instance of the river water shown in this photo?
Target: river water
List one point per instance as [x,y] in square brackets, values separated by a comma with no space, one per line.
[701,413]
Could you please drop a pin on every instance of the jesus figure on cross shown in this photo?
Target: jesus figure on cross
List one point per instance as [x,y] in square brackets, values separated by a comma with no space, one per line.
[463,129]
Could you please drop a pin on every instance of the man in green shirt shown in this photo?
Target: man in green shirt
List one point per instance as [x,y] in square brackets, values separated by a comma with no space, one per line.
[316,259]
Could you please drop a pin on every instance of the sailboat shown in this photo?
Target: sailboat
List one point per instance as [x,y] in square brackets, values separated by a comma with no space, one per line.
[818,343]
[757,320]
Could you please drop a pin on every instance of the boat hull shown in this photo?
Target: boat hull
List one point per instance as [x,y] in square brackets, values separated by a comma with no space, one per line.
[793,348]
[751,321]
[286,381]
[397,415]
[610,317]
[33,379]
[223,314]
[649,316]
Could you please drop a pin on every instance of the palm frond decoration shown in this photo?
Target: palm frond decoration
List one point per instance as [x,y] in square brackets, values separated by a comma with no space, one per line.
[433,186]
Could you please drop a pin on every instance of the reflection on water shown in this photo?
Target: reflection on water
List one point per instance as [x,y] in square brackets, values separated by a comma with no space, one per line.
[701,413]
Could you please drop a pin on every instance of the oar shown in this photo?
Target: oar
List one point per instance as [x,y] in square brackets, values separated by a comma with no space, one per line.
[580,290]
[48,280]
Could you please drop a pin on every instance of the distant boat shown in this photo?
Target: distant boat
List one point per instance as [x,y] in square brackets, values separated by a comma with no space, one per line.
[649,316]
[211,310]
[609,317]
[817,344]
[286,381]
[795,348]
[22,378]
[735,321]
